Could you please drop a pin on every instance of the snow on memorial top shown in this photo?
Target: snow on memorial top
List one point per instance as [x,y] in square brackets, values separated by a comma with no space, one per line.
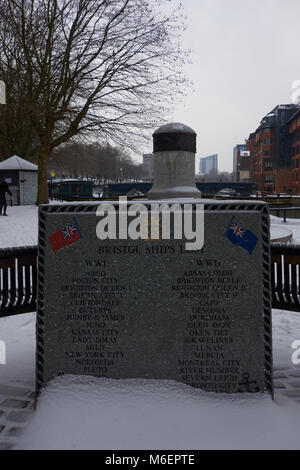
[175,127]
[174,136]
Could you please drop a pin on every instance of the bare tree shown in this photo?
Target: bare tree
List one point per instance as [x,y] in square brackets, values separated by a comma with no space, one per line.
[78,159]
[102,67]
[17,134]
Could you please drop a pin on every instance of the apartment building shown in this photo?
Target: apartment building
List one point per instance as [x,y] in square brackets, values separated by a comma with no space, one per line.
[271,148]
[294,130]
[241,163]
[207,164]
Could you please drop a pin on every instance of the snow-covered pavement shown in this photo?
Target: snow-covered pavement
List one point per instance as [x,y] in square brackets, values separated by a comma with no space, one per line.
[291,225]
[20,228]
[90,413]
[17,376]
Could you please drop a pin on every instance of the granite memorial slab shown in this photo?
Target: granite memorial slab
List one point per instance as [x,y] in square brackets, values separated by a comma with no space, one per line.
[152,309]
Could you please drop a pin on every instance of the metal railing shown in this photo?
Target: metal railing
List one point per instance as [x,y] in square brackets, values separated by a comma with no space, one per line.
[285,276]
[18,278]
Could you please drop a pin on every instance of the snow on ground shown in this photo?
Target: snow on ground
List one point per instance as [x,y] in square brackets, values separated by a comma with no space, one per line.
[18,333]
[89,413]
[20,227]
[17,377]
[77,412]
[292,225]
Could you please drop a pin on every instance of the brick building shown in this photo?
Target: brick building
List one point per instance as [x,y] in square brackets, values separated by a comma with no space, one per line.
[294,130]
[270,148]
[241,163]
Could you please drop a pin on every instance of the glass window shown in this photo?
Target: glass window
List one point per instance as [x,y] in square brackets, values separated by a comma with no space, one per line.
[268,163]
[268,178]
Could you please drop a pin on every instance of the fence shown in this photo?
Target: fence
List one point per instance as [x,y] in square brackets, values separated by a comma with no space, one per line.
[18,278]
[285,270]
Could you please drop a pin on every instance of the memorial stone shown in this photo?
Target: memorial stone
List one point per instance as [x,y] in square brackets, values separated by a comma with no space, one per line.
[151,308]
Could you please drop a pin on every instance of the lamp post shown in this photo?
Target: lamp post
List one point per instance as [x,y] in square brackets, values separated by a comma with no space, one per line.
[52,175]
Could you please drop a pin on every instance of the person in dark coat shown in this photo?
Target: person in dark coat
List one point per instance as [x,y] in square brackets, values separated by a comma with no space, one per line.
[3,190]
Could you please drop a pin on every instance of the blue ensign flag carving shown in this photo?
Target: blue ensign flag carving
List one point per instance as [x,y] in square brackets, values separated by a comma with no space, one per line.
[241,237]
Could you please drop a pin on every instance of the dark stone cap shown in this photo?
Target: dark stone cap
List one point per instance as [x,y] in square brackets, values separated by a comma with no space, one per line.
[174,136]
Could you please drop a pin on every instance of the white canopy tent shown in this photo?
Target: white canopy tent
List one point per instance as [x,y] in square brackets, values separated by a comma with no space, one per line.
[22,179]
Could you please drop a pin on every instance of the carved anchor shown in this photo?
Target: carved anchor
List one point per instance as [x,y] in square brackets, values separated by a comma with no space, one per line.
[248,386]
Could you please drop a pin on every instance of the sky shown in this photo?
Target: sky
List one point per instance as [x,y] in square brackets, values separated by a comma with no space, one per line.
[245,57]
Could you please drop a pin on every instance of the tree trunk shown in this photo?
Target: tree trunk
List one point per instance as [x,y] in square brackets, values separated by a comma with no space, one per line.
[42,197]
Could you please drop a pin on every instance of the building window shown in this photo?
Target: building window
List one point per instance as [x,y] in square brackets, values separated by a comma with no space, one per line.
[268,163]
[268,178]
[267,130]
[266,153]
[297,163]
[267,141]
